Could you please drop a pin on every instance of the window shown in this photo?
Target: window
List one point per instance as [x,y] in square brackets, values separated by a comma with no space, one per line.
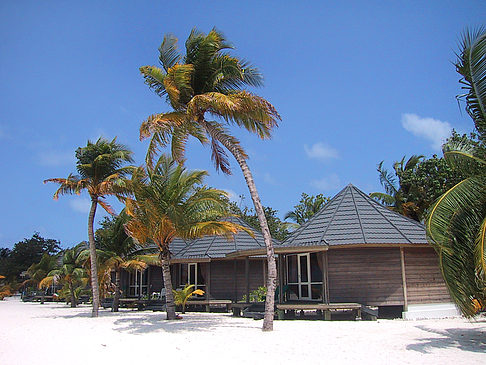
[305,276]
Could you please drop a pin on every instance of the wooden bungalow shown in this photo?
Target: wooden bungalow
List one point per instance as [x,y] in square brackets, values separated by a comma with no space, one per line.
[355,250]
[204,263]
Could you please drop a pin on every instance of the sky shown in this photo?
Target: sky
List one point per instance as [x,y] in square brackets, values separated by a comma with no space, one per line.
[355,82]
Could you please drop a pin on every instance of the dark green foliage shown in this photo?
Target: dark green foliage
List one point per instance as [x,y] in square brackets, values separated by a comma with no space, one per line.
[307,207]
[24,254]
[278,229]
[415,185]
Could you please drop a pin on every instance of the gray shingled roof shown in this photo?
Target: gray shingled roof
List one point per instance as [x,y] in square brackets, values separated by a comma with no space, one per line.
[219,246]
[352,217]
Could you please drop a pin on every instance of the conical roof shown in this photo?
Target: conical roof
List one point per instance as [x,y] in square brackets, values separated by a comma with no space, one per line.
[219,246]
[352,217]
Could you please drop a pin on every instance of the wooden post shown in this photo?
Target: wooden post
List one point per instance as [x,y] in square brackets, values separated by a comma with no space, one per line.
[325,277]
[235,280]
[247,278]
[208,280]
[404,280]
[280,278]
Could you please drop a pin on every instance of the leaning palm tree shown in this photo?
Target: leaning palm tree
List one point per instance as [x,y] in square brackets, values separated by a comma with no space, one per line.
[119,251]
[456,224]
[71,272]
[204,87]
[170,202]
[101,172]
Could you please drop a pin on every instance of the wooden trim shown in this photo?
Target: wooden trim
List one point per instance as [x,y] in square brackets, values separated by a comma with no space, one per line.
[326,263]
[247,279]
[379,245]
[189,261]
[277,250]
[404,280]
[208,279]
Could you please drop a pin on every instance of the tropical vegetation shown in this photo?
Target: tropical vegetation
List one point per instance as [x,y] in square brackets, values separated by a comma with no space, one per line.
[204,87]
[102,171]
[168,202]
[117,252]
[181,296]
[71,274]
[306,208]
[456,224]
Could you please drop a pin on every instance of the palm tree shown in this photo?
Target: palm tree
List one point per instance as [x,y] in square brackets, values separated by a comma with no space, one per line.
[39,271]
[119,251]
[206,83]
[101,172]
[170,202]
[71,273]
[395,196]
[181,296]
[456,224]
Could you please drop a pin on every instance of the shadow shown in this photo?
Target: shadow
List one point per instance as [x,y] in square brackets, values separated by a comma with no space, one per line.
[141,324]
[472,339]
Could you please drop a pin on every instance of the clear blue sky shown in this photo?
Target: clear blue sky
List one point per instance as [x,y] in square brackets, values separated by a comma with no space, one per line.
[355,83]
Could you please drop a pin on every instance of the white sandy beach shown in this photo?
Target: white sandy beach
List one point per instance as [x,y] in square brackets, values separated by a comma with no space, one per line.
[54,333]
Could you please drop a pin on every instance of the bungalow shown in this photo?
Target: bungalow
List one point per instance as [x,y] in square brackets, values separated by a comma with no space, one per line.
[355,250]
[204,263]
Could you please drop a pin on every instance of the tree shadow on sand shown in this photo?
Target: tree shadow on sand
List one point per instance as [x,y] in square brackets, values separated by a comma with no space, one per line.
[471,339]
[146,324]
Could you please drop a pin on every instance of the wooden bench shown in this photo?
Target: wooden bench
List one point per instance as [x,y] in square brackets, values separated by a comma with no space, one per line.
[322,307]
[208,303]
[237,308]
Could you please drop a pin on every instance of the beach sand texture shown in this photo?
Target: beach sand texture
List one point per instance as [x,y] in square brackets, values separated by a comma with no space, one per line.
[54,333]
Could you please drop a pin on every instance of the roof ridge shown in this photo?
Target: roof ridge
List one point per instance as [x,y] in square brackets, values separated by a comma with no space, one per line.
[335,210]
[370,201]
[357,213]
[209,245]
[319,212]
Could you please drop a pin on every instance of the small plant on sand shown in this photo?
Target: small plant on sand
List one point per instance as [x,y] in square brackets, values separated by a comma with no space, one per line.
[181,296]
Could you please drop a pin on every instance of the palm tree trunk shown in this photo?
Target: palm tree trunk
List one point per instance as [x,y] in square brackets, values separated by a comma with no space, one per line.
[73,297]
[92,255]
[116,299]
[272,267]
[169,295]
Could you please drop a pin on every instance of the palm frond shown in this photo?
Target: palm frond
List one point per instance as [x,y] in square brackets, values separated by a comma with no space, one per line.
[169,55]
[154,78]
[471,64]
[385,199]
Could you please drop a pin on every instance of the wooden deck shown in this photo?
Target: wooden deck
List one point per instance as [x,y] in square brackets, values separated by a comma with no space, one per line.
[208,303]
[323,308]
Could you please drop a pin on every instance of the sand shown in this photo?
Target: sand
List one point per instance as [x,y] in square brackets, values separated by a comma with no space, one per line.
[54,333]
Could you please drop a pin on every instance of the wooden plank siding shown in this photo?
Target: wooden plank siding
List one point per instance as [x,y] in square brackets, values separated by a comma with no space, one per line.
[223,280]
[370,276]
[424,279]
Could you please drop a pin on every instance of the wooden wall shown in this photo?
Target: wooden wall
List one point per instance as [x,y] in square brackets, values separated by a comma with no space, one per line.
[423,277]
[370,276]
[223,283]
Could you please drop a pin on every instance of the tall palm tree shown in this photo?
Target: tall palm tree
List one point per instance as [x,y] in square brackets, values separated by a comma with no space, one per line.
[170,202]
[205,90]
[71,272]
[456,224]
[119,251]
[101,170]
